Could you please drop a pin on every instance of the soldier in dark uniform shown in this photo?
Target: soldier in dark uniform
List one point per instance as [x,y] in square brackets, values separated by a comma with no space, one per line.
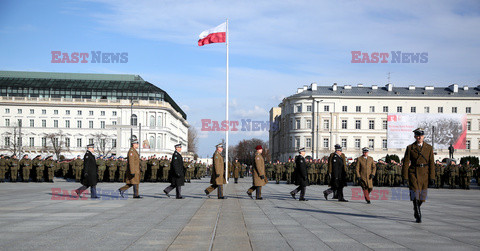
[258,174]
[419,168]
[451,150]
[217,173]
[301,176]
[133,171]
[89,174]
[3,168]
[337,171]
[176,175]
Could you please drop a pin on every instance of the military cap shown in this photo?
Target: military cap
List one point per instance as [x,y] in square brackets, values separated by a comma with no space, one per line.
[258,147]
[419,132]
[338,147]
[219,145]
[365,149]
[38,156]
[90,145]
[1,155]
[134,141]
[178,145]
[301,149]
[13,155]
[24,155]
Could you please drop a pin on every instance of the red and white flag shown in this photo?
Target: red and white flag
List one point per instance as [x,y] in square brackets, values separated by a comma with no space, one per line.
[213,35]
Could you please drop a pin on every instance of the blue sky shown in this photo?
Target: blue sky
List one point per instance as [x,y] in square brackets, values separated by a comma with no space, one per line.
[276,46]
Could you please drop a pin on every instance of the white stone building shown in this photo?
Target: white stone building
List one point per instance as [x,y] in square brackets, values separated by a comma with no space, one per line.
[318,117]
[72,110]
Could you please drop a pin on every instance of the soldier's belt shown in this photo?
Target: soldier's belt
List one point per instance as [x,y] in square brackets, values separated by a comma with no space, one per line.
[420,165]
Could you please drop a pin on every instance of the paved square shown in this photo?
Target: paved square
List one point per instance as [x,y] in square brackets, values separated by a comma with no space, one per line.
[31,217]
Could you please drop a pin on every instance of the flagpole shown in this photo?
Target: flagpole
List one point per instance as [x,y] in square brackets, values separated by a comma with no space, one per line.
[226,113]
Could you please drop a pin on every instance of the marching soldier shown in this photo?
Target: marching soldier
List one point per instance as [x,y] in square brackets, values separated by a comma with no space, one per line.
[236,170]
[176,175]
[133,171]
[101,167]
[365,170]
[25,167]
[13,166]
[217,173]
[89,174]
[301,175]
[337,171]
[3,168]
[419,168]
[258,174]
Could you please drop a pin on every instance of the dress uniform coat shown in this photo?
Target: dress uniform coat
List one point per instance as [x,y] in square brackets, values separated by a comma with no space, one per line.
[176,174]
[133,167]
[364,168]
[337,180]
[236,170]
[259,170]
[301,178]
[418,167]
[90,170]
[218,169]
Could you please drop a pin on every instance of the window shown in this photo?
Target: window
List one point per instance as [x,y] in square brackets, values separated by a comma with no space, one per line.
[67,112]
[357,143]
[7,141]
[467,145]
[7,122]
[399,109]
[133,120]
[413,109]
[372,109]
[384,144]
[152,121]
[454,109]
[297,142]
[55,123]
[90,124]
[102,124]
[67,142]
[114,143]
[469,125]
[90,113]
[291,124]
[325,143]
[371,143]
[7,110]
[114,113]
[440,109]
[344,108]
[159,121]
[79,124]
[55,112]
[299,108]
[309,124]
[309,108]
[344,143]
[371,124]
[102,113]
[297,124]
[385,109]
[19,111]
[19,122]
[358,124]
[55,142]
[326,124]
[31,142]
[426,109]
[468,109]
[32,111]
[384,125]
[44,111]
[44,142]
[326,108]
[358,108]
[308,142]
[90,141]
[44,123]
[79,112]
[79,142]
[114,122]
[344,124]
[67,123]
[103,143]
[32,123]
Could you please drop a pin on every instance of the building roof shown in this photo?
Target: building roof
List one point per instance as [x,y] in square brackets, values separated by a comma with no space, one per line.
[81,85]
[452,91]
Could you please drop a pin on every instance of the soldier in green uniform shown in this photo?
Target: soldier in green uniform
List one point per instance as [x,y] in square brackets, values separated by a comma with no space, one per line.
[269,170]
[290,166]
[161,170]
[3,168]
[122,169]
[64,167]
[143,168]
[188,170]
[322,172]
[49,169]
[278,172]
[310,170]
[13,166]
[390,173]
[236,170]
[242,170]
[77,168]
[111,168]
[101,167]
[468,175]
[38,168]
[217,173]
[452,174]
[438,174]
[154,168]
[380,172]
[352,173]
[25,167]
[398,174]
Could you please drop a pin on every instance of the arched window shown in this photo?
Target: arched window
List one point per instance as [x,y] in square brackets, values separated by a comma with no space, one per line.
[133,120]
[152,121]
[160,120]
[159,142]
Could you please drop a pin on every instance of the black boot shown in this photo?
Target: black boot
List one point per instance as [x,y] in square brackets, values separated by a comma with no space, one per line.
[416,211]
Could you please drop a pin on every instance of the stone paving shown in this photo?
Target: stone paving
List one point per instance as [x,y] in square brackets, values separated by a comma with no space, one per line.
[36,216]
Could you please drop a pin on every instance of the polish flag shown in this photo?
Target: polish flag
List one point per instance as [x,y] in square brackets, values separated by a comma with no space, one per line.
[213,35]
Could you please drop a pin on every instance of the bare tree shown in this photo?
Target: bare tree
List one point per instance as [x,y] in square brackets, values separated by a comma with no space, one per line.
[103,143]
[58,145]
[192,139]
[13,139]
[245,150]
